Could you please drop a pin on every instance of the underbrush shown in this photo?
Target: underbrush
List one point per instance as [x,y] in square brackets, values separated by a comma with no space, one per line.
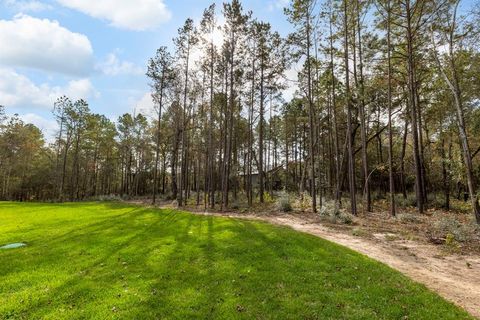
[303,202]
[450,230]
[107,198]
[408,218]
[332,213]
[409,201]
[284,203]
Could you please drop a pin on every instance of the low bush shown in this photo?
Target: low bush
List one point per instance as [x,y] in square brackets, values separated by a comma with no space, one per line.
[329,208]
[378,195]
[284,203]
[408,218]
[175,203]
[235,205]
[331,212]
[267,197]
[409,201]
[436,200]
[107,198]
[357,232]
[449,228]
[303,202]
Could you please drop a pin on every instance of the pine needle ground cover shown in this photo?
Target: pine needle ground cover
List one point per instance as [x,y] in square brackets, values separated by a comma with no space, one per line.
[116,261]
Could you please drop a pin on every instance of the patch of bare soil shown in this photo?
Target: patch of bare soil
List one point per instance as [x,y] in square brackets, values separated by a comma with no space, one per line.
[402,246]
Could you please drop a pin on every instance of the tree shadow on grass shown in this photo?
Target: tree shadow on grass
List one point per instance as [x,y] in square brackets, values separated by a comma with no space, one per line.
[144,263]
[87,260]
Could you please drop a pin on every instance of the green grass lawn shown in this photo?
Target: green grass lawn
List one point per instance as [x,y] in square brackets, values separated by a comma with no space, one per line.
[114,261]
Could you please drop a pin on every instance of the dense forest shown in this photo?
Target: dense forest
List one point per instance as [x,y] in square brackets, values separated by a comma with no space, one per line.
[386,106]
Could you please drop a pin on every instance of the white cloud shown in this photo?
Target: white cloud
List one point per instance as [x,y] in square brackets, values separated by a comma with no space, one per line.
[136,15]
[291,77]
[24,6]
[77,89]
[144,105]
[278,5]
[44,44]
[113,66]
[18,91]
[47,126]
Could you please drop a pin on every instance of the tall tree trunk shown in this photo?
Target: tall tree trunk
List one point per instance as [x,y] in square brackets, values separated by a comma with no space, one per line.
[184,170]
[335,120]
[363,125]
[157,147]
[413,107]
[261,134]
[351,160]
[311,116]
[389,98]
[454,86]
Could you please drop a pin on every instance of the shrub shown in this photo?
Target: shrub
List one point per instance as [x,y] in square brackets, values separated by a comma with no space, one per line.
[107,198]
[304,202]
[378,195]
[235,205]
[329,208]
[431,197]
[283,203]
[332,213]
[357,232]
[449,228]
[126,197]
[345,218]
[408,217]
[437,200]
[267,198]
[450,239]
[410,201]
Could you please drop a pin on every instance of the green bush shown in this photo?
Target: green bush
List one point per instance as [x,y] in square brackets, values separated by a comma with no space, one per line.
[304,202]
[283,203]
[332,213]
[235,205]
[329,208]
[344,217]
[410,201]
[408,218]
[107,198]
[448,227]
[358,232]
[267,198]
[378,195]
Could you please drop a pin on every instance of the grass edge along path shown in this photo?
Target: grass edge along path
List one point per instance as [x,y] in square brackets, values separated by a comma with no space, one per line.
[117,261]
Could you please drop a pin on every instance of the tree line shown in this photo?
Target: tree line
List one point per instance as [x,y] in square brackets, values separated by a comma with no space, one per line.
[387,103]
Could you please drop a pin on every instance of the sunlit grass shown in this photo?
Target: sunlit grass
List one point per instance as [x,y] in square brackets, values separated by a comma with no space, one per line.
[114,261]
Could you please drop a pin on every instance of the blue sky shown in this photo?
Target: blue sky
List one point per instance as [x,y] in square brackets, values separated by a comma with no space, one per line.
[92,49]
[96,50]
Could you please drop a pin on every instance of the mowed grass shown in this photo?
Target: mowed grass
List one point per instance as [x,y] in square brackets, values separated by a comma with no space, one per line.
[115,261]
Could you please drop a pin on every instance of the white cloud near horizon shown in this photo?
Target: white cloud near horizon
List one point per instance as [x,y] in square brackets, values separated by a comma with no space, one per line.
[45,45]
[113,66]
[18,91]
[144,105]
[47,126]
[138,15]
[278,4]
[27,5]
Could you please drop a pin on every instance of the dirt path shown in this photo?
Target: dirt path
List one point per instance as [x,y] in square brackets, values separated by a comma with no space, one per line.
[454,277]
